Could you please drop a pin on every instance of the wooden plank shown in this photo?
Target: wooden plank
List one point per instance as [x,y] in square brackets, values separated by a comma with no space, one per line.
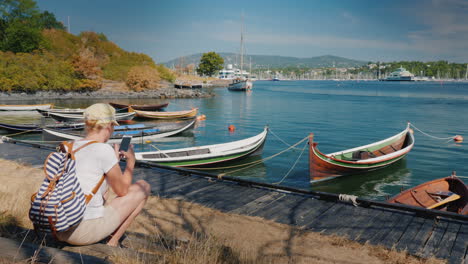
[183,191]
[160,184]
[232,197]
[432,244]
[418,242]
[398,230]
[448,240]
[267,208]
[354,219]
[329,221]
[254,205]
[285,211]
[317,208]
[240,197]
[375,225]
[386,228]
[411,231]
[205,194]
[178,185]
[296,211]
[363,219]
[460,246]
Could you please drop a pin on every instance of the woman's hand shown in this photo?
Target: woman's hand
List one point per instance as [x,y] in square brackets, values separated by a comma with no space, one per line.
[129,155]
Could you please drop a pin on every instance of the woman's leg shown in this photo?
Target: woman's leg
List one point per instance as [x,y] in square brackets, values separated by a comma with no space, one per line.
[128,207]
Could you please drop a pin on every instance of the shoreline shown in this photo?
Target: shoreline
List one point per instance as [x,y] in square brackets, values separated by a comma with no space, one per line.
[163,93]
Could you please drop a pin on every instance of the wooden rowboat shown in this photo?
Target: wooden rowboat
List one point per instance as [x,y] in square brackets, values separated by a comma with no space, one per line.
[138,135]
[74,111]
[38,127]
[25,107]
[207,155]
[445,194]
[360,159]
[166,115]
[139,107]
[80,117]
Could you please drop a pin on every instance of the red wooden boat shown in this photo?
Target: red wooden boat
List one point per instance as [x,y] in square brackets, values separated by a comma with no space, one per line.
[445,194]
[360,159]
[140,107]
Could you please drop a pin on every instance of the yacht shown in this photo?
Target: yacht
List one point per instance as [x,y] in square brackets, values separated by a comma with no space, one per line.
[401,74]
[228,73]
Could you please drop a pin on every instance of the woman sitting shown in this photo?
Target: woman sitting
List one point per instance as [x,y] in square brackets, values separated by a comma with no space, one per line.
[101,218]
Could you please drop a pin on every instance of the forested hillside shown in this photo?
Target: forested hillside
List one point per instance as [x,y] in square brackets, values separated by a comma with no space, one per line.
[37,53]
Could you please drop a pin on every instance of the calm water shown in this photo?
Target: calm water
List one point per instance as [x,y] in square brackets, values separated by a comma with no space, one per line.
[340,114]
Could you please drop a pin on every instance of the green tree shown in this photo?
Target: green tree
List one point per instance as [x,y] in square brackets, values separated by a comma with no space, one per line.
[210,63]
[47,20]
[20,37]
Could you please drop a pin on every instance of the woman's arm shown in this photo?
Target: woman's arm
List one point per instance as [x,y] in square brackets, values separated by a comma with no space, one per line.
[120,182]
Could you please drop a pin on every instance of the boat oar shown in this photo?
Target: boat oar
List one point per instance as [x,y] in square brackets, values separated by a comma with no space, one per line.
[449,199]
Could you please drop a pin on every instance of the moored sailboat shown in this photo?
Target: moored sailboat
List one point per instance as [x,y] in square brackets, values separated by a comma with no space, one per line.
[241,83]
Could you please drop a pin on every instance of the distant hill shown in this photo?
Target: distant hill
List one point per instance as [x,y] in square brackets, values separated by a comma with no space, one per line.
[267,61]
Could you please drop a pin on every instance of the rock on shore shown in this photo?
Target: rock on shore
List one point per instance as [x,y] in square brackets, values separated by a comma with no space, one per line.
[162,93]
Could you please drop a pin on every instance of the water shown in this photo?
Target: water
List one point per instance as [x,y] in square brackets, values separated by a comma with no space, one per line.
[340,114]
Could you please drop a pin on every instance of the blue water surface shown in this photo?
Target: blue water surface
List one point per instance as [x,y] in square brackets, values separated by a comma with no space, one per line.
[341,114]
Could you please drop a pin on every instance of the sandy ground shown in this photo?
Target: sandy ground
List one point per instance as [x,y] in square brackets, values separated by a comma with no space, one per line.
[254,238]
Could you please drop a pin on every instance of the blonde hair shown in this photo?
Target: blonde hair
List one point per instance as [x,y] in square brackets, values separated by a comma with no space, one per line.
[94,125]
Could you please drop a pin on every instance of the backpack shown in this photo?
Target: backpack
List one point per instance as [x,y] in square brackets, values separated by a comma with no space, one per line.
[60,202]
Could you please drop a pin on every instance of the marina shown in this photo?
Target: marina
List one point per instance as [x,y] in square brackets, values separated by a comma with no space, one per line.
[429,106]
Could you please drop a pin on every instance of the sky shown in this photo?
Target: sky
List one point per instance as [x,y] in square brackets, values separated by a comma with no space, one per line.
[368,30]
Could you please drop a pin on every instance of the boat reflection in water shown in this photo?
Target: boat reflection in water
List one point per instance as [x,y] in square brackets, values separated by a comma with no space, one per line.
[370,184]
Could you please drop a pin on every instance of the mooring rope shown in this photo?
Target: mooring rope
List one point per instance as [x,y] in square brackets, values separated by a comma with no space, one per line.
[294,165]
[253,163]
[167,156]
[349,198]
[22,132]
[271,131]
[447,138]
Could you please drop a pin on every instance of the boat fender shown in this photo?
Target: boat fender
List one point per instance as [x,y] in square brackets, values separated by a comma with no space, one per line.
[458,139]
[231,128]
[148,141]
[411,131]
[201,117]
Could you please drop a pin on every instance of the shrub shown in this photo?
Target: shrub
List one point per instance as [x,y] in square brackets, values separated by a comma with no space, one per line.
[143,77]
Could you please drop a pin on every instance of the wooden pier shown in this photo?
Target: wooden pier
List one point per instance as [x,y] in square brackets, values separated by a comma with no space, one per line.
[420,231]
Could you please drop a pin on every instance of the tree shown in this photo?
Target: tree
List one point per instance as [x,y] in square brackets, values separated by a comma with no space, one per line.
[210,63]
[21,24]
[47,20]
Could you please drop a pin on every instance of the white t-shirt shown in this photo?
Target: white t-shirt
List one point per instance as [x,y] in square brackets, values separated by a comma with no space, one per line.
[92,162]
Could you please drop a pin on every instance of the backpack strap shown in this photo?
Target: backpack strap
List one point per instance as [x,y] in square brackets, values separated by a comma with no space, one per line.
[69,146]
[90,196]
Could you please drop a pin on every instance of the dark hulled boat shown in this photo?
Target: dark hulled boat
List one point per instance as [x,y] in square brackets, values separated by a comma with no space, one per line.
[139,107]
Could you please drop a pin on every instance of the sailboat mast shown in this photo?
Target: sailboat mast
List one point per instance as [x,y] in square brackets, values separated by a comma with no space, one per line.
[242,46]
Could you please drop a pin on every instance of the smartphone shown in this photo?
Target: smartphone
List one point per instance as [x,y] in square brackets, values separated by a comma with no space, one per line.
[125,143]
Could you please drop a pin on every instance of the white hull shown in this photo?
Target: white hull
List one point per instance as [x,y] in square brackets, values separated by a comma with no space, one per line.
[118,140]
[241,86]
[24,107]
[205,153]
